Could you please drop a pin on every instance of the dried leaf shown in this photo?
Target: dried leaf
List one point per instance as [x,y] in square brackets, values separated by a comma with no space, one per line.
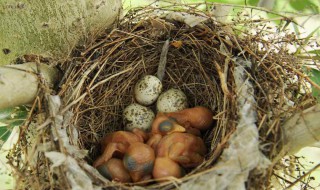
[177,44]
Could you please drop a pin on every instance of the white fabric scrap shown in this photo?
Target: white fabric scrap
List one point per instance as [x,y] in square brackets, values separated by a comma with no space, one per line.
[78,179]
[243,154]
[54,105]
[76,176]
[56,158]
[189,19]
[59,131]
[59,128]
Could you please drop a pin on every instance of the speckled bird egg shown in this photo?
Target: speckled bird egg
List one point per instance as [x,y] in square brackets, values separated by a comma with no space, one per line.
[172,100]
[147,90]
[137,116]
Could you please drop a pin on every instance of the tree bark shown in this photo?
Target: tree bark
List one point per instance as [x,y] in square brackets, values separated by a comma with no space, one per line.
[51,28]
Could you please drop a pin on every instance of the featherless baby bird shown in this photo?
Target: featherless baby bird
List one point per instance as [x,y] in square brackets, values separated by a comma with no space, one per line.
[139,161]
[177,151]
[193,120]
[116,144]
[161,126]
[164,125]
[165,167]
[114,169]
[186,149]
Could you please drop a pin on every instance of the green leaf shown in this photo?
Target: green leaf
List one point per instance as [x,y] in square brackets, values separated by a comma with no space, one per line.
[315,77]
[304,5]
[315,51]
[8,114]
[4,134]
[5,113]
[253,2]
[9,118]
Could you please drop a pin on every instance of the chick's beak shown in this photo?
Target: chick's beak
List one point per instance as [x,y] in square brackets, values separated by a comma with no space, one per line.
[177,128]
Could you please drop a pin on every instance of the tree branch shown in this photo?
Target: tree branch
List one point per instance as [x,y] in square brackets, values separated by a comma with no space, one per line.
[19,84]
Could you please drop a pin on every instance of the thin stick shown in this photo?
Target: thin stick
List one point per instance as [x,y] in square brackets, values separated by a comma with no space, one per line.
[300,179]
[163,60]
[305,77]
[223,79]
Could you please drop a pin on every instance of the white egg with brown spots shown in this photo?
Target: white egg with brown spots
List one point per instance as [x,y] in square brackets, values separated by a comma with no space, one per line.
[138,116]
[147,90]
[172,100]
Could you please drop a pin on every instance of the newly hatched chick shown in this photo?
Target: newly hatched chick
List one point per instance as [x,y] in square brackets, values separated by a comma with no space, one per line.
[198,117]
[114,169]
[193,119]
[116,144]
[163,125]
[165,167]
[177,151]
[139,161]
[186,149]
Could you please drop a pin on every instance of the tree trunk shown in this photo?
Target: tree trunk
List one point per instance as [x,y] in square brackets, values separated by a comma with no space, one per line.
[51,28]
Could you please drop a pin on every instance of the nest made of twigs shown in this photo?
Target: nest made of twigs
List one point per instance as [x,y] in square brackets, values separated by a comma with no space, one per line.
[99,81]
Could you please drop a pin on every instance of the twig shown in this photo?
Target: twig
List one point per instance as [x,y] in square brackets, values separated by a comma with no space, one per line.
[223,79]
[163,60]
[300,179]
[44,124]
[305,77]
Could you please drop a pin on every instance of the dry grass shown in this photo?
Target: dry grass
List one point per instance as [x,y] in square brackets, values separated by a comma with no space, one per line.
[100,76]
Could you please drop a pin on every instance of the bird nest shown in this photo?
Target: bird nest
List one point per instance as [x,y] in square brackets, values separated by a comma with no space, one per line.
[202,60]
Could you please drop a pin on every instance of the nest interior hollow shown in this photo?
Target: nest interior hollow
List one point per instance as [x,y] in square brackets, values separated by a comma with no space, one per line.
[127,54]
